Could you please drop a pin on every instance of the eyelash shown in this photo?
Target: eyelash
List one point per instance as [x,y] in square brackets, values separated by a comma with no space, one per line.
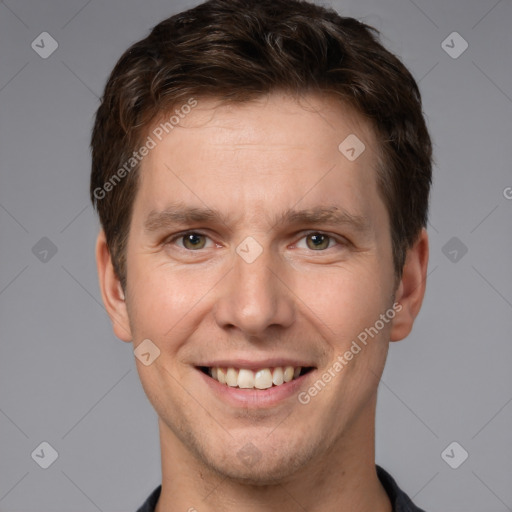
[179,236]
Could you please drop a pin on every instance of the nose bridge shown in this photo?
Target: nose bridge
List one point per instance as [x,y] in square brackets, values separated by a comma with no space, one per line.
[253,297]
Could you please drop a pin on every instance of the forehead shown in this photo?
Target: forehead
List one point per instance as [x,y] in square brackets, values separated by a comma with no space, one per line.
[273,119]
[276,151]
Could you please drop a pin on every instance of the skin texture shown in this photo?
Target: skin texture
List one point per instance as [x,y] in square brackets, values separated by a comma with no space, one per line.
[252,162]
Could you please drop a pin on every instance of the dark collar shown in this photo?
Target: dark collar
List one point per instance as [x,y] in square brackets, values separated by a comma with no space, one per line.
[400,501]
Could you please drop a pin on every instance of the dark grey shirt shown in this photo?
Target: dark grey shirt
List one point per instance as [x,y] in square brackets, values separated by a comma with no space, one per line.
[400,501]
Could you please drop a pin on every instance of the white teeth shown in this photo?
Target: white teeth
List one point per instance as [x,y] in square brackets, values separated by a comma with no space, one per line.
[221,375]
[261,379]
[245,379]
[277,376]
[232,377]
[288,373]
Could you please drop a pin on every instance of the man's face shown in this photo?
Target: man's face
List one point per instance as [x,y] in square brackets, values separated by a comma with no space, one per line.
[255,243]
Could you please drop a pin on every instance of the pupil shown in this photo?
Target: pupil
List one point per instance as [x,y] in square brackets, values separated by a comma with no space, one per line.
[318,241]
[193,240]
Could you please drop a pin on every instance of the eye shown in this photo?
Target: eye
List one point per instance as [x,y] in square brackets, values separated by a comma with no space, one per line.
[191,241]
[317,241]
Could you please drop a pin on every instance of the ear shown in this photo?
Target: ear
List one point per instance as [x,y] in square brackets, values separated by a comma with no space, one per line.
[111,290]
[411,290]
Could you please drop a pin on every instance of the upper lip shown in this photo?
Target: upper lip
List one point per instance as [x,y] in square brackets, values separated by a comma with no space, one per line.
[251,364]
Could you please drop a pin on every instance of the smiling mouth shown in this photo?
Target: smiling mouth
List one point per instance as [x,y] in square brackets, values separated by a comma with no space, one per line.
[263,378]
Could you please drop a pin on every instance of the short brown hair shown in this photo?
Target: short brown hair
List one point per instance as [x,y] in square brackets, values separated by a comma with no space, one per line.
[237,50]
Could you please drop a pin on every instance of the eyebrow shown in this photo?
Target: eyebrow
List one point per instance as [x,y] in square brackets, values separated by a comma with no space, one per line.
[181,214]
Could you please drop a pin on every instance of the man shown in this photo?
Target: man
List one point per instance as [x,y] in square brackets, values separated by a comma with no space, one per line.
[261,172]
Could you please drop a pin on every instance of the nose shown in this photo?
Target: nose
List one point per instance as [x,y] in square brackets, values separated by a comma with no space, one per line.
[253,298]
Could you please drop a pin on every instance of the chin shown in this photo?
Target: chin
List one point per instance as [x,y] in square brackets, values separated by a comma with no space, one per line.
[273,465]
[261,475]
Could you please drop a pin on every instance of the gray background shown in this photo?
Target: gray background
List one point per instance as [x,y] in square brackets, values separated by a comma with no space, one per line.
[64,377]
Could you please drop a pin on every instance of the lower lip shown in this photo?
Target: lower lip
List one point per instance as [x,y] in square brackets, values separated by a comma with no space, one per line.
[255,398]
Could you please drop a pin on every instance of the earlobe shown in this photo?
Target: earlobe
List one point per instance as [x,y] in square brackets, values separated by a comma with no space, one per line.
[111,290]
[411,289]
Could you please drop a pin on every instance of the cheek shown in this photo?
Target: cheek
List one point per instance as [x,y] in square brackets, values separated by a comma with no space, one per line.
[346,298]
[155,300]
[163,301]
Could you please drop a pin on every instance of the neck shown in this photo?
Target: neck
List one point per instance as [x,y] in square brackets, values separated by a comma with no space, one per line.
[344,478]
